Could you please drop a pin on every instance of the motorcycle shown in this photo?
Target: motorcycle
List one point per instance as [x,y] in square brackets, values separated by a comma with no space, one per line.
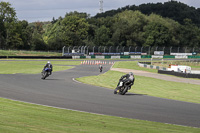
[45,73]
[100,69]
[122,88]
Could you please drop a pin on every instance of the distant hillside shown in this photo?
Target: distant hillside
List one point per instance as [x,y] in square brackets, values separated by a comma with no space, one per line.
[174,10]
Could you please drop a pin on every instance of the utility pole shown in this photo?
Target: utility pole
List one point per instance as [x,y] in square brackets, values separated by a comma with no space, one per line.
[101,6]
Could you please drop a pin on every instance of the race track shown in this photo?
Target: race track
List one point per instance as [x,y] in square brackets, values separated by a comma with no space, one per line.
[60,90]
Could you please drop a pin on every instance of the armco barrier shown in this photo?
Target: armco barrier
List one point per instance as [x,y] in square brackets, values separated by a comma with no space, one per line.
[179,74]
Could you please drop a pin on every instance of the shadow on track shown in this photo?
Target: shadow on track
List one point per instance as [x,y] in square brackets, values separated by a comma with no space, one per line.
[131,94]
[51,79]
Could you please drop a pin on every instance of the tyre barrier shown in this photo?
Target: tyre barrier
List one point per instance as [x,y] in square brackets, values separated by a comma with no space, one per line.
[148,65]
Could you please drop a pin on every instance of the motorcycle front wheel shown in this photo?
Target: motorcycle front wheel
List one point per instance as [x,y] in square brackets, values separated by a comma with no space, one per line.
[44,75]
[116,89]
[124,91]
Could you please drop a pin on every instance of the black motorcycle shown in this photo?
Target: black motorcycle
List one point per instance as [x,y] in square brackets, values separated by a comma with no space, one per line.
[45,73]
[122,87]
[100,69]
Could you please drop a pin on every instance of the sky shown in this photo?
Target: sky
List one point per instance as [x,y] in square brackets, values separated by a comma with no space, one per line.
[45,10]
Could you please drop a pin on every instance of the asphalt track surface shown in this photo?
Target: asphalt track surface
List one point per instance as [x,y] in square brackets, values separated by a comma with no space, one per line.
[60,90]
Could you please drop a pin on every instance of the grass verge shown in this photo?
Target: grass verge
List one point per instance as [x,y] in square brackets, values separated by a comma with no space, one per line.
[22,117]
[148,86]
[132,65]
[27,53]
[33,67]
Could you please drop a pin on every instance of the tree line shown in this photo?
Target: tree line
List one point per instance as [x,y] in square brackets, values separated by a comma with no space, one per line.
[172,9]
[123,27]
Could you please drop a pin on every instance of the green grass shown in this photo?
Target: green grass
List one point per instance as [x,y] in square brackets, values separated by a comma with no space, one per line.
[149,86]
[19,117]
[132,65]
[27,53]
[32,67]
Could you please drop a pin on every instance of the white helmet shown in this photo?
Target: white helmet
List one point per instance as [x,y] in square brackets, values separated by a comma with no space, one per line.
[48,62]
[130,73]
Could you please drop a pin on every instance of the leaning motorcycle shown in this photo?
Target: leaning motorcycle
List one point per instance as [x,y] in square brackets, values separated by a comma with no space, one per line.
[45,73]
[100,69]
[122,88]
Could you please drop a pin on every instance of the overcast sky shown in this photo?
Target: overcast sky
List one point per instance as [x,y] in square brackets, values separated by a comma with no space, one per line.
[45,10]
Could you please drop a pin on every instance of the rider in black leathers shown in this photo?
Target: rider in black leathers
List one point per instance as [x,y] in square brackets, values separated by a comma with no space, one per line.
[128,79]
[100,68]
[50,66]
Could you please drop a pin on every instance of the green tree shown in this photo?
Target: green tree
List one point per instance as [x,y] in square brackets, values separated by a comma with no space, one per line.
[37,42]
[102,36]
[69,31]
[189,34]
[156,34]
[25,32]
[7,19]
[13,39]
[128,28]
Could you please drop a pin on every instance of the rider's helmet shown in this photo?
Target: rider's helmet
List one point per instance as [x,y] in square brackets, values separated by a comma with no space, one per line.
[48,62]
[130,73]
